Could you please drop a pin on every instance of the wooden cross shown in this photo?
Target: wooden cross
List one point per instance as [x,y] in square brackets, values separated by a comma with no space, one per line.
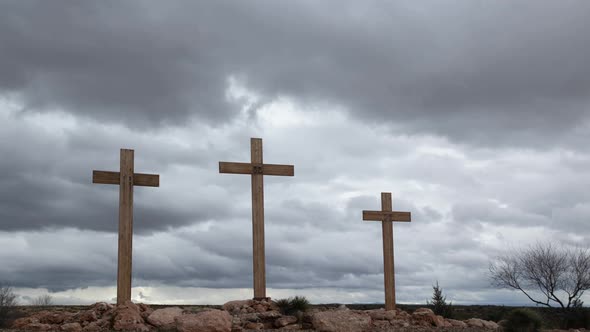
[387,217]
[126,179]
[257,169]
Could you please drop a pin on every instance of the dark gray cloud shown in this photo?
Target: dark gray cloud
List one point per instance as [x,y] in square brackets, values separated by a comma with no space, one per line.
[500,73]
[474,115]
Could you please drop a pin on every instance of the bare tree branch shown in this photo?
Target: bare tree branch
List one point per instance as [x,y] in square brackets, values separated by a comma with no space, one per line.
[560,275]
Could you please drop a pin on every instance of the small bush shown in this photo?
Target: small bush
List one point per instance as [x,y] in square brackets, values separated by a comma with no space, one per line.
[292,305]
[283,305]
[439,303]
[522,320]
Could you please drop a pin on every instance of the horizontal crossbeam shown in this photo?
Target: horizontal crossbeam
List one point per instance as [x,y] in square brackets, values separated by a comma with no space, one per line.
[249,168]
[383,215]
[139,179]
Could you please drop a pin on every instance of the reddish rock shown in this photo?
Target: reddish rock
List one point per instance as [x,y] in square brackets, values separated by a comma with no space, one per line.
[251,317]
[41,327]
[234,307]
[400,323]
[292,327]
[341,321]
[71,327]
[102,307]
[20,323]
[55,317]
[285,320]
[269,315]
[164,317]
[381,314]
[254,326]
[259,308]
[381,324]
[144,310]
[128,318]
[205,321]
[97,326]
[456,323]
[425,317]
[87,316]
[476,322]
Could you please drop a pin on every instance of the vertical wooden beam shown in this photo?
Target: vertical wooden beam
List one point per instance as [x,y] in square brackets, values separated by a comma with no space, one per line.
[388,273]
[258,219]
[125,226]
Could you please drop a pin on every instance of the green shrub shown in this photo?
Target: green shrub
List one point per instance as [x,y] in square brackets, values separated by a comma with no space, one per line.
[283,305]
[439,303]
[522,320]
[292,305]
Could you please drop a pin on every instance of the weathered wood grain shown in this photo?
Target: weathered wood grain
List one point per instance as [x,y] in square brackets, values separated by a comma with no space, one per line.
[139,179]
[258,221]
[126,179]
[249,168]
[388,273]
[381,215]
[257,169]
[125,227]
[387,217]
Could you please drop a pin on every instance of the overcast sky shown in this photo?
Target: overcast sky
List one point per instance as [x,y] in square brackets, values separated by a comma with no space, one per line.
[474,114]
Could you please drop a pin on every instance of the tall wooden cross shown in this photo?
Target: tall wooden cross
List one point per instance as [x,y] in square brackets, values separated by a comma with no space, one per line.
[387,217]
[257,169]
[126,179]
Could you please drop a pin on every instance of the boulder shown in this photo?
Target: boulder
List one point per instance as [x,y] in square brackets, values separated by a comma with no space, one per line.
[71,327]
[205,321]
[55,317]
[381,324]
[97,326]
[381,314]
[476,322]
[41,327]
[87,316]
[20,323]
[164,318]
[285,320]
[341,321]
[254,326]
[456,323]
[426,317]
[234,307]
[269,315]
[102,307]
[291,327]
[128,318]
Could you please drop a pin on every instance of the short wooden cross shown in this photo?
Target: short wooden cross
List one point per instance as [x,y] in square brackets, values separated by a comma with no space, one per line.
[387,217]
[126,179]
[257,169]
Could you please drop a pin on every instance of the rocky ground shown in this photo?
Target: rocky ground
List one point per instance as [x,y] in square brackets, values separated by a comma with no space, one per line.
[241,316]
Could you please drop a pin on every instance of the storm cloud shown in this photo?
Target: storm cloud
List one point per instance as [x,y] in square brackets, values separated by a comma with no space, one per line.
[475,115]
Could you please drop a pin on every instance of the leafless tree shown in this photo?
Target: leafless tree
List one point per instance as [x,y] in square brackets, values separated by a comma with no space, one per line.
[7,302]
[7,297]
[43,300]
[559,274]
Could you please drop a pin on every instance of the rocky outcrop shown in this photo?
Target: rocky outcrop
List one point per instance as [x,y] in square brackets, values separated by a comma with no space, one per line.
[128,318]
[341,320]
[239,316]
[476,322]
[205,321]
[425,317]
[164,318]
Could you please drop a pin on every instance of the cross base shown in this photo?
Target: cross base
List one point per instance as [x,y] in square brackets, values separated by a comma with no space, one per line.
[267,299]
